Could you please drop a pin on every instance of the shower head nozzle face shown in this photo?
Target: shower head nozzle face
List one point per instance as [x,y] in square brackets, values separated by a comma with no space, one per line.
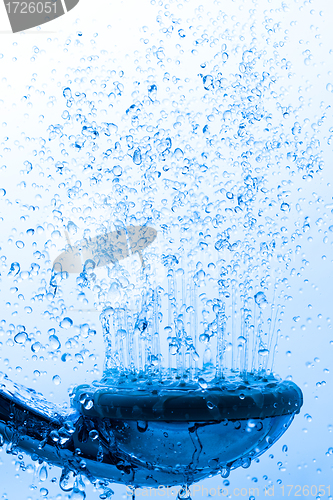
[261,399]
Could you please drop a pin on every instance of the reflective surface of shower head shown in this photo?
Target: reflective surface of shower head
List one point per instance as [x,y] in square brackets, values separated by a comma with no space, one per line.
[171,437]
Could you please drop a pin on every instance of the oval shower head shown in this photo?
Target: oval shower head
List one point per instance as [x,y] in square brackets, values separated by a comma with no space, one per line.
[149,437]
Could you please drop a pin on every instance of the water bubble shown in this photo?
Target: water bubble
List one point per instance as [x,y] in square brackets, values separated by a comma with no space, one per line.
[72,228]
[260,299]
[173,348]
[184,493]
[117,170]
[202,383]
[56,380]
[204,338]
[77,494]
[137,157]
[225,472]
[246,462]
[21,338]
[107,493]
[222,244]
[67,93]
[142,425]
[88,404]
[93,434]
[43,473]
[66,357]
[152,90]
[66,323]
[54,342]
[14,269]
[54,435]
[20,244]
[36,346]
[285,207]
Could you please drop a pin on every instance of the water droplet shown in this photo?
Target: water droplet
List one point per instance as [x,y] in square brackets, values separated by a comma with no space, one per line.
[246,462]
[67,93]
[202,382]
[261,300]
[93,434]
[117,170]
[285,448]
[66,323]
[184,493]
[222,244]
[14,269]
[285,207]
[204,338]
[77,494]
[44,492]
[21,338]
[173,348]
[142,426]
[88,404]
[225,472]
[54,342]
[56,380]
[137,157]
[43,473]
[67,480]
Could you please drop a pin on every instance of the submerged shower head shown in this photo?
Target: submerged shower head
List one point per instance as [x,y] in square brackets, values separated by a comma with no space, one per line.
[151,435]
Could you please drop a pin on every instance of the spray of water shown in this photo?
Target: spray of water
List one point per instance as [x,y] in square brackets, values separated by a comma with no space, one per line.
[171,212]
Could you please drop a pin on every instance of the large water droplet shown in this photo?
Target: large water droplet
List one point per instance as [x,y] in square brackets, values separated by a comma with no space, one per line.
[43,473]
[21,338]
[67,480]
[261,300]
[54,342]
[66,323]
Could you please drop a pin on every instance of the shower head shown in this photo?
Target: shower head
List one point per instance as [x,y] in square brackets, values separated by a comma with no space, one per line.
[150,436]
